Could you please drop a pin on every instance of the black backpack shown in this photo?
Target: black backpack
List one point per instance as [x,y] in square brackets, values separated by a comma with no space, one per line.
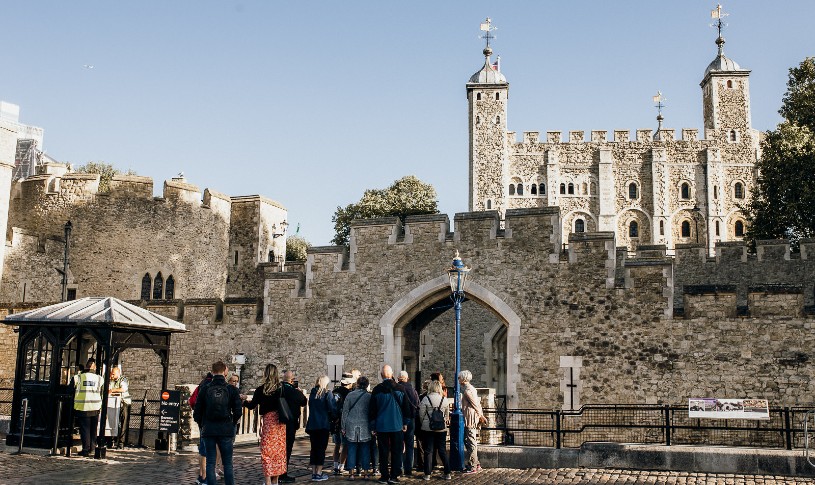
[218,403]
[436,417]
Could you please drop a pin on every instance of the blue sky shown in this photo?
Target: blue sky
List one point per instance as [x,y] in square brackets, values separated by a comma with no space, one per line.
[310,103]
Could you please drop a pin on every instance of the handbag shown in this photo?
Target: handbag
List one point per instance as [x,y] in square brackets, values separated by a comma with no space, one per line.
[284,414]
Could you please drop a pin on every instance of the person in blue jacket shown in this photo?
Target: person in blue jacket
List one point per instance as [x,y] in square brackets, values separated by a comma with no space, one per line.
[321,408]
[389,414]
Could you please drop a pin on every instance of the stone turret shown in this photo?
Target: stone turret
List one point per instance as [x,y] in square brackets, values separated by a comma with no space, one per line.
[487,93]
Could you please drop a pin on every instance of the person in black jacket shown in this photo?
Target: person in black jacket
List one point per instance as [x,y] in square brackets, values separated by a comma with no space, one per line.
[296,400]
[217,411]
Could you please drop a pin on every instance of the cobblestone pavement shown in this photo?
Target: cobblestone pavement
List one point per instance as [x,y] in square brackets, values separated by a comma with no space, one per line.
[147,467]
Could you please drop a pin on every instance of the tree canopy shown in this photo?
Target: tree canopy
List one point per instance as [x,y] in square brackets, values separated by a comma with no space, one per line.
[296,247]
[406,196]
[783,202]
[105,171]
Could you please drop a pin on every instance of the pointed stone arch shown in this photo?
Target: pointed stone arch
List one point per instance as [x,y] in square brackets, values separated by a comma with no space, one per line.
[418,299]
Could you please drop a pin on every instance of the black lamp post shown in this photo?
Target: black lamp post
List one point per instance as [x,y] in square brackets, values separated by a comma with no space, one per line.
[458,277]
[65,263]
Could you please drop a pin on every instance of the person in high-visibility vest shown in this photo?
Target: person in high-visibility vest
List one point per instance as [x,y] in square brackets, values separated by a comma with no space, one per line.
[87,403]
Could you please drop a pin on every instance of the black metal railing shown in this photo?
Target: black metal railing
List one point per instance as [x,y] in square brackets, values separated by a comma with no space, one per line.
[646,424]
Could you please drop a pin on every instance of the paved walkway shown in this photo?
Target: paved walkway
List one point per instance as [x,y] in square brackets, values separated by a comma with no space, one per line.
[148,467]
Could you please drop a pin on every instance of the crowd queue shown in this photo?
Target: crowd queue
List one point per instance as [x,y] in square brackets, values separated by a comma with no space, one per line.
[370,429]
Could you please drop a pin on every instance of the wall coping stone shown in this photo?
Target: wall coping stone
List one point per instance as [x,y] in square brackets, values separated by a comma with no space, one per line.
[427,218]
[376,221]
[480,215]
[325,249]
[532,211]
[777,289]
[591,236]
[709,289]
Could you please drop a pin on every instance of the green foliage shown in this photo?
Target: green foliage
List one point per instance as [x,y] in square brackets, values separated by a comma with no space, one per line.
[296,247]
[105,171]
[783,202]
[406,196]
[798,105]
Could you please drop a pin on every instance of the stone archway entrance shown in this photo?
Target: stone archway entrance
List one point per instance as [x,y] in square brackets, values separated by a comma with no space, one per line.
[393,323]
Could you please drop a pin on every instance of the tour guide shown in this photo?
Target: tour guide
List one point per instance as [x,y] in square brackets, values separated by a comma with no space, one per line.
[87,403]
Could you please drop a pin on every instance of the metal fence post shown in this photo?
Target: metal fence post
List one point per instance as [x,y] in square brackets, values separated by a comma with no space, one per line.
[558,442]
[141,423]
[788,427]
[667,425]
[22,428]
[56,427]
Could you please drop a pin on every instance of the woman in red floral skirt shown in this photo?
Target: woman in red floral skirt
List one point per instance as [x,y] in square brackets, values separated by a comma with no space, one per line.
[273,432]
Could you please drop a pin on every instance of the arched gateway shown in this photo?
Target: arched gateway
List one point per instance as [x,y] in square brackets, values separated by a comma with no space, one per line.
[423,296]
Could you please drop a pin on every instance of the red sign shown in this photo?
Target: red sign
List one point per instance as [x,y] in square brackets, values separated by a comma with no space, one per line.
[165,395]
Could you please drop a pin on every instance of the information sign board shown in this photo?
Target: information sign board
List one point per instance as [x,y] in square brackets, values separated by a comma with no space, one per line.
[169,410]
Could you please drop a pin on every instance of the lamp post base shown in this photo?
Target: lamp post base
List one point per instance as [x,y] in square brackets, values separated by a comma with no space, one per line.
[457,440]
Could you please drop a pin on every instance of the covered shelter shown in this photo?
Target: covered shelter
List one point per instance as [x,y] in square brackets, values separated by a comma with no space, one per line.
[55,341]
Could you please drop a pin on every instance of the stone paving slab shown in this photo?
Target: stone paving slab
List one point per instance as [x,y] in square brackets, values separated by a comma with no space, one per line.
[148,467]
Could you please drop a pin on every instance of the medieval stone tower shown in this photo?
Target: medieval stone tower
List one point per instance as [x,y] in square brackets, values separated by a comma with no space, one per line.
[654,189]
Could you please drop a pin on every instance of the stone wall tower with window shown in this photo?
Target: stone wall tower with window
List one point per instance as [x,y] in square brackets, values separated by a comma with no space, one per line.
[726,111]
[487,92]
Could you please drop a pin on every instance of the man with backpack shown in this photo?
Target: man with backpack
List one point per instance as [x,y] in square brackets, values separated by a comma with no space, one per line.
[217,410]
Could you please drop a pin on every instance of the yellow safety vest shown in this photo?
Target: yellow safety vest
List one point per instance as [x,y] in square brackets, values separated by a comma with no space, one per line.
[88,395]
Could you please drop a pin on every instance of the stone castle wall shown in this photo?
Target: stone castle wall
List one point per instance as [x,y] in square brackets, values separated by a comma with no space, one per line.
[120,235]
[735,269]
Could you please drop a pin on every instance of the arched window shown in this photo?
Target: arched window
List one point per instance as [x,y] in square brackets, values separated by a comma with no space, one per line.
[511,189]
[738,190]
[585,188]
[271,256]
[732,135]
[715,192]
[489,204]
[37,359]
[579,225]
[633,229]
[685,191]
[169,288]
[571,189]
[661,228]
[542,189]
[158,287]
[477,120]
[739,229]
[520,189]
[562,188]
[533,189]
[729,83]
[497,120]
[497,96]
[146,286]
[632,190]
[478,96]
[717,228]
[685,229]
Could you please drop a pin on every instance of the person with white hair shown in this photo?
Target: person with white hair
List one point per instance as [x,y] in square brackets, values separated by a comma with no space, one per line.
[389,414]
[473,419]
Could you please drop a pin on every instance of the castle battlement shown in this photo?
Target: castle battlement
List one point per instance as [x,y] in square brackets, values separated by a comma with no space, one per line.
[644,135]
[763,301]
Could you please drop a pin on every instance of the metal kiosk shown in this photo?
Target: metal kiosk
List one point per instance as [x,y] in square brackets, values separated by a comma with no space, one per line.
[54,340]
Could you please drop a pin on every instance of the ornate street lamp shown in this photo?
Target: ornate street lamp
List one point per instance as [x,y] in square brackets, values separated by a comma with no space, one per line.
[458,277]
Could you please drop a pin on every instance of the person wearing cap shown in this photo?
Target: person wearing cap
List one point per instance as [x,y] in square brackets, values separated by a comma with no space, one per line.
[340,447]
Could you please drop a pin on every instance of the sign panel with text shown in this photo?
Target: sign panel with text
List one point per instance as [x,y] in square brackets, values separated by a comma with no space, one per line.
[169,409]
[728,408]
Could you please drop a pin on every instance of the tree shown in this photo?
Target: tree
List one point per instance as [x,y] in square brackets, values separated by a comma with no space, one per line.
[783,202]
[105,171]
[296,247]
[406,196]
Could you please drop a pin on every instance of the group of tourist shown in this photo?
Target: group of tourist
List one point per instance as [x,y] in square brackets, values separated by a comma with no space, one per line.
[369,428]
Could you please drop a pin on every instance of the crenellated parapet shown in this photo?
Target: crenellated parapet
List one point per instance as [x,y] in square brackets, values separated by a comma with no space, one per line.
[773,269]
